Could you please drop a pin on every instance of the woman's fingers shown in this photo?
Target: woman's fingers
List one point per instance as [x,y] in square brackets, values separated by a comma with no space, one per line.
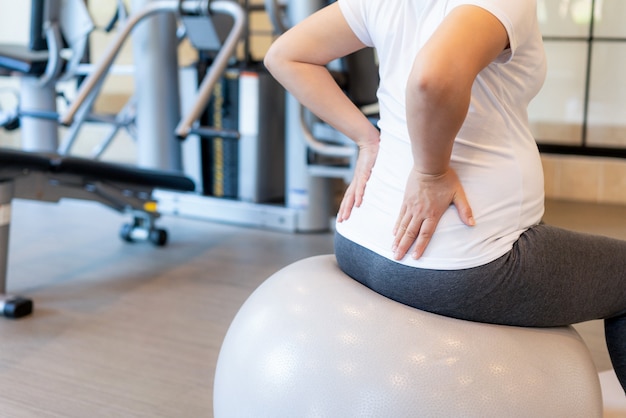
[406,232]
[347,203]
[418,231]
[427,230]
[426,198]
[353,196]
[463,208]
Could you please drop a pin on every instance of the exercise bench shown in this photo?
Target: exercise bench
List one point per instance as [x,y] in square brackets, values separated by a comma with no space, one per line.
[52,177]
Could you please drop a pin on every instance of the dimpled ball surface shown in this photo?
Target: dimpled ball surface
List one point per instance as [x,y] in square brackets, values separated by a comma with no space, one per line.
[312,342]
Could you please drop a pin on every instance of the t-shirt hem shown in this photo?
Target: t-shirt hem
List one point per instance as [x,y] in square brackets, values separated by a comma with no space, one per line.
[433,263]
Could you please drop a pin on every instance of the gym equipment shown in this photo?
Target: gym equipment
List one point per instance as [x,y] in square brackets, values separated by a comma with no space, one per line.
[311,341]
[308,192]
[50,178]
[314,153]
[58,42]
[59,33]
[196,7]
[276,13]
[330,153]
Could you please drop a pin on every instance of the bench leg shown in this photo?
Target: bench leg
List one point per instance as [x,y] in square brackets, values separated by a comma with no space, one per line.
[143,228]
[10,306]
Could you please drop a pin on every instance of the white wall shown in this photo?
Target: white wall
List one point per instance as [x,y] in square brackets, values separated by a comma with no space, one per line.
[14,21]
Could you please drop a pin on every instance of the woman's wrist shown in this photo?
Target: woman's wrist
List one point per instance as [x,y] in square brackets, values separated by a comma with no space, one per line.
[431,172]
[370,139]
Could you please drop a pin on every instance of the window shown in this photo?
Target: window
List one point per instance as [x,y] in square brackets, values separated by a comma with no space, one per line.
[582,106]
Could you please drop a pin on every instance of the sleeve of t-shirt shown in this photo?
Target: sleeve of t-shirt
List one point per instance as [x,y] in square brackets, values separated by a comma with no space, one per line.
[355,13]
[517,17]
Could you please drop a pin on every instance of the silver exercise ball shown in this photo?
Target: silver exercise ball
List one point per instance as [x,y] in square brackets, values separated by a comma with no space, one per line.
[312,342]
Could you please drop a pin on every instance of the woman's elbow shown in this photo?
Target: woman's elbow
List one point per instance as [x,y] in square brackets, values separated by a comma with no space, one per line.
[271,58]
[278,60]
[433,84]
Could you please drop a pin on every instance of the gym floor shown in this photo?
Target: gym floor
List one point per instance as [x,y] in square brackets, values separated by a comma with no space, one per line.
[130,330]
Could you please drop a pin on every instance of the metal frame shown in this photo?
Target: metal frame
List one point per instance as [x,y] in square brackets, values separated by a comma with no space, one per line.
[93,82]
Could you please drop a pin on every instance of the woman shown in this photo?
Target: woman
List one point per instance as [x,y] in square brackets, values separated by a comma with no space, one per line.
[444,210]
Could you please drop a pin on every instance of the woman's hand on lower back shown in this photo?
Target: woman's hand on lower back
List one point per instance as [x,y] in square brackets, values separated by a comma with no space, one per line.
[426,198]
[353,197]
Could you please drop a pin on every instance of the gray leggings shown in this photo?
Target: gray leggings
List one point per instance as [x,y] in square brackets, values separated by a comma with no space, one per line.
[551,277]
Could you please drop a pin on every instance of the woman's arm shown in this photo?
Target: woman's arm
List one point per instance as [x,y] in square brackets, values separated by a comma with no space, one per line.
[298,59]
[437,100]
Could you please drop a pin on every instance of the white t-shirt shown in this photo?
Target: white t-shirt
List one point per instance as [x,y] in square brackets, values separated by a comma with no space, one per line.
[494,154]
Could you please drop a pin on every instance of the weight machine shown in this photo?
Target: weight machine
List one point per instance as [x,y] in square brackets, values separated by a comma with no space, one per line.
[315,154]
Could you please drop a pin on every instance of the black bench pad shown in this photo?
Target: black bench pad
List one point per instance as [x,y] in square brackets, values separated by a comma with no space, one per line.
[10,158]
[94,170]
[99,170]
